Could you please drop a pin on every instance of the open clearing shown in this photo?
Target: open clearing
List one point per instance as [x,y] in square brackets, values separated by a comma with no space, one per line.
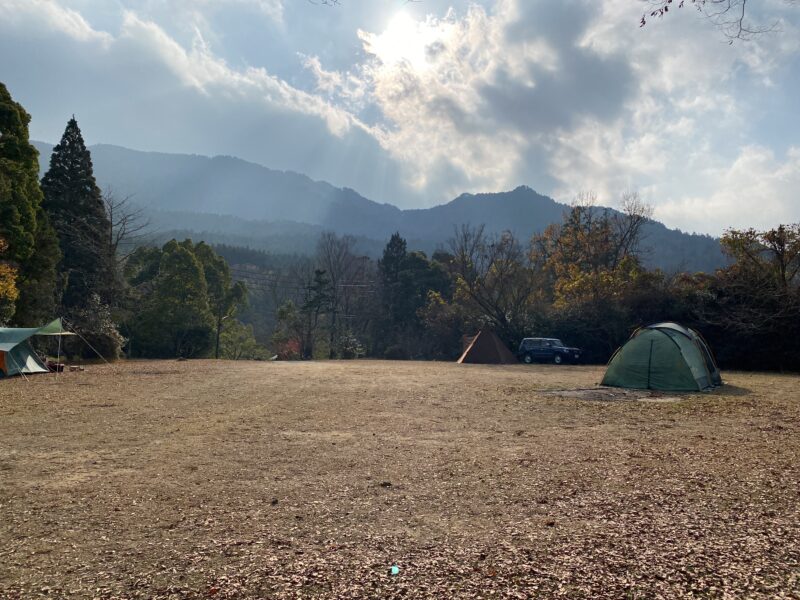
[206,479]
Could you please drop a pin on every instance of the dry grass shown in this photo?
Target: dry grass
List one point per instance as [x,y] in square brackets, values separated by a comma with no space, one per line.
[238,480]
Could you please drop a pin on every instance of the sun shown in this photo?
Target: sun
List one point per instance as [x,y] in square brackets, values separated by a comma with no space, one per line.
[403,41]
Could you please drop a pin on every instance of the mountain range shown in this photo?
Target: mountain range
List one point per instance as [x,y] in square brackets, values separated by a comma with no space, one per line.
[228,200]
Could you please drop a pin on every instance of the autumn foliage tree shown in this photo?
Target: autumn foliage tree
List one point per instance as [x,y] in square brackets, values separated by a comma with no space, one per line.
[8,285]
[592,264]
[751,309]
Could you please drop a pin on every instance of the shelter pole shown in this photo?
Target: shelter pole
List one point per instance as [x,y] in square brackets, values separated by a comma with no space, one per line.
[85,341]
[649,363]
[58,356]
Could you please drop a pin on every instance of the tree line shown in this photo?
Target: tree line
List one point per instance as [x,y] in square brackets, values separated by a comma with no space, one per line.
[66,249]
[581,280]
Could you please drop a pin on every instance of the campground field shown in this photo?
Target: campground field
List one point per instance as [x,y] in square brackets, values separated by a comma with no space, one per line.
[204,479]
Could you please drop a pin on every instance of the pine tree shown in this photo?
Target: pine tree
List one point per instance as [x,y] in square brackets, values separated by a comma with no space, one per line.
[394,255]
[32,247]
[75,206]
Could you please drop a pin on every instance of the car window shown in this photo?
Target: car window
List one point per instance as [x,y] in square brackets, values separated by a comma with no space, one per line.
[558,343]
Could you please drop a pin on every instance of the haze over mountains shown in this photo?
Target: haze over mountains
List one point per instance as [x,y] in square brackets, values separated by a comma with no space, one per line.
[228,200]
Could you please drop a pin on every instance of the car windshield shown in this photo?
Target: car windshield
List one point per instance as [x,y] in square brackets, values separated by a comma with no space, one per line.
[558,343]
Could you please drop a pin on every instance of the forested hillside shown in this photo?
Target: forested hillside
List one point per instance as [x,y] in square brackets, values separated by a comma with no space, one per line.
[231,201]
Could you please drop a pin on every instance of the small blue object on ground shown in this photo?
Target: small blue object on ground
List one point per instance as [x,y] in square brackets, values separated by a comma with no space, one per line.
[395,570]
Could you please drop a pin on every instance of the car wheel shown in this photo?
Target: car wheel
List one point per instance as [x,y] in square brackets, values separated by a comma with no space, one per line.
[527,359]
[557,359]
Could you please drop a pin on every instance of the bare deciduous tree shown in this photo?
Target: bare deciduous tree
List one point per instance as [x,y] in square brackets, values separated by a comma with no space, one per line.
[344,270]
[628,225]
[129,225]
[495,273]
[729,16]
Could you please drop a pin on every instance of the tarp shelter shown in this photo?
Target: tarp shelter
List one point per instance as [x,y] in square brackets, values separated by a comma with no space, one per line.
[488,349]
[663,356]
[17,355]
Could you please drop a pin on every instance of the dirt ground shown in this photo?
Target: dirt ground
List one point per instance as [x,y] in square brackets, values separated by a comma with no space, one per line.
[206,479]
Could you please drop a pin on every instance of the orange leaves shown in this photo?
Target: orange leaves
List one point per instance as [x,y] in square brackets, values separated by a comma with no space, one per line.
[8,278]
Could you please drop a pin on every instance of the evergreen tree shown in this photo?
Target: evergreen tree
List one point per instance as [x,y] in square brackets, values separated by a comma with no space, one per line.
[75,206]
[176,319]
[239,343]
[394,255]
[389,269]
[31,245]
[38,291]
[224,297]
[406,279]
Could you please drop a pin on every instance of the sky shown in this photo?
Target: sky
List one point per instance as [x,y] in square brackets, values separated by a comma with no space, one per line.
[416,102]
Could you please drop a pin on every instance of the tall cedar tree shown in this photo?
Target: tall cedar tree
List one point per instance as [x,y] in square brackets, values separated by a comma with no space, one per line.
[74,203]
[32,246]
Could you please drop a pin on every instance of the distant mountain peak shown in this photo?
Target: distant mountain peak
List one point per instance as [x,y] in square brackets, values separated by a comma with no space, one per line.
[262,207]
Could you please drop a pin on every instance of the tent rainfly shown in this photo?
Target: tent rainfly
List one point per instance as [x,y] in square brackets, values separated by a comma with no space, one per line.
[486,348]
[16,354]
[663,356]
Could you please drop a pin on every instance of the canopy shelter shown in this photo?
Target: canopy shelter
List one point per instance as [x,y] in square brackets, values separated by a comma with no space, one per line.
[487,348]
[16,354]
[663,356]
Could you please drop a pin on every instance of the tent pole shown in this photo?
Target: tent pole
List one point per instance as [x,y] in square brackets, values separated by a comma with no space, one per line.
[21,372]
[58,357]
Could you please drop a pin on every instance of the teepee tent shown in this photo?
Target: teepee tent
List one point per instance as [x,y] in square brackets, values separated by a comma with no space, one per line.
[16,354]
[487,348]
[664,356]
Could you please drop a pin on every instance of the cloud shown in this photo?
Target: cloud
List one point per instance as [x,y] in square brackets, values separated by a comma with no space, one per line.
[480,100]
[691,123]
[200,69]
[142,88]
[464,97]
[272,8]
[758,190]
[50,15]
[418,106]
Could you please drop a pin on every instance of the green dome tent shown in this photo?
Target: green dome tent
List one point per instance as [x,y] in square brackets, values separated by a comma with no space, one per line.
[664,356]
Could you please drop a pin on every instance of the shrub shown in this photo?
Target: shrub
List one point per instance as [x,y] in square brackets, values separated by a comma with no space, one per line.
[395,352]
